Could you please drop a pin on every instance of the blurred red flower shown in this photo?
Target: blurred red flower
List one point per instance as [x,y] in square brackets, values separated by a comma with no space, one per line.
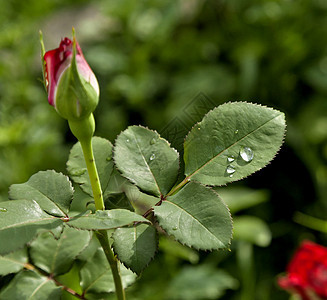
[307,272]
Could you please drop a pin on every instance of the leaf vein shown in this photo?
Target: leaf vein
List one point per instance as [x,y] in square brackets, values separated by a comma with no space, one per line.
[210,160]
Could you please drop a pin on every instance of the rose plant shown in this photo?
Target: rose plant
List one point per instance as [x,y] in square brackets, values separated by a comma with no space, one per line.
[94,231]
[307,272]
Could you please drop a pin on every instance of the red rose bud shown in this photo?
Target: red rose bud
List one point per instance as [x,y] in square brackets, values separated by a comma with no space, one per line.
[72,87]
[307,272]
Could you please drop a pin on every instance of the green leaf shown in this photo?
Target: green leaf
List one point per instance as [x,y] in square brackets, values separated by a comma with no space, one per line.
[32,286]
[147,160]
[116,201]
[252,229]
[176,249]
[57,256]
[81,200]
[96,276]
[20,222]
[100,296]
[13,262]
[52,191]
[106,219]
[115,194]
[76,166]
[233,141]
[117,183]
[200,282]
[239,198]
[90,249]
[197,217]
[136,246]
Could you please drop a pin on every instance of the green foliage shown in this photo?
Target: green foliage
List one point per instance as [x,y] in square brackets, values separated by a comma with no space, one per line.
[20,222]
[189,211]
[105,220]
[201,282]
[135,246]
[152,58]
[252,229]
[52,191]
[197,217]
[231,142]
[240,198]
[96,276]
[147,160]
[31,285]
[56,256]
[13,262]
[76,166]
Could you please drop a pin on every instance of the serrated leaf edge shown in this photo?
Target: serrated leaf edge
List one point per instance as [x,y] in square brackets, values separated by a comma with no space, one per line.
[131,179]
[146,265]
[59,208]
[235,103]
[192,246]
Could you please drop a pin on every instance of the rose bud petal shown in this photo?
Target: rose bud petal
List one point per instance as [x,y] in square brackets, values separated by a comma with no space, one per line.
[72,87]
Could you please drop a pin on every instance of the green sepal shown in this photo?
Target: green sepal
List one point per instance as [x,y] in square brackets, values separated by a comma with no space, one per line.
[76,98]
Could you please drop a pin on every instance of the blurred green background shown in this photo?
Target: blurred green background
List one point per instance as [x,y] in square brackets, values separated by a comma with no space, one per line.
[164,64]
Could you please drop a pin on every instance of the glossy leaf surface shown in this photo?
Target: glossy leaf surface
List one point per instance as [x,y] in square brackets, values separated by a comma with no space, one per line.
[146,159]
[20,222]
[13,262]
[233,141]
[51,190]
[135,246]
[196,217]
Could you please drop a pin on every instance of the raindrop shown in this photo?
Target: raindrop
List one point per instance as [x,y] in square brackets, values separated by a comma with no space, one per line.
[230,158]
[153,156]
[236,131]
[2,209]
[109,158]
[231,175]
[153,141]
[246,154]
[127,140]
[230,170]
[78,172]
[175,228]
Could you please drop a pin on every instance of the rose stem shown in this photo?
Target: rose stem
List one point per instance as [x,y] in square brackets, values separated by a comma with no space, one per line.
[99,205]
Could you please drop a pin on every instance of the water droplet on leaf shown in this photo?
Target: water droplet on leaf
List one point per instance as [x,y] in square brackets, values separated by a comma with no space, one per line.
[175,228]
[109,158]
[230,158]
[236,131]
[246,154]
[2,209]
[153,156]
[127,140]
[230,169]
[153,141]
